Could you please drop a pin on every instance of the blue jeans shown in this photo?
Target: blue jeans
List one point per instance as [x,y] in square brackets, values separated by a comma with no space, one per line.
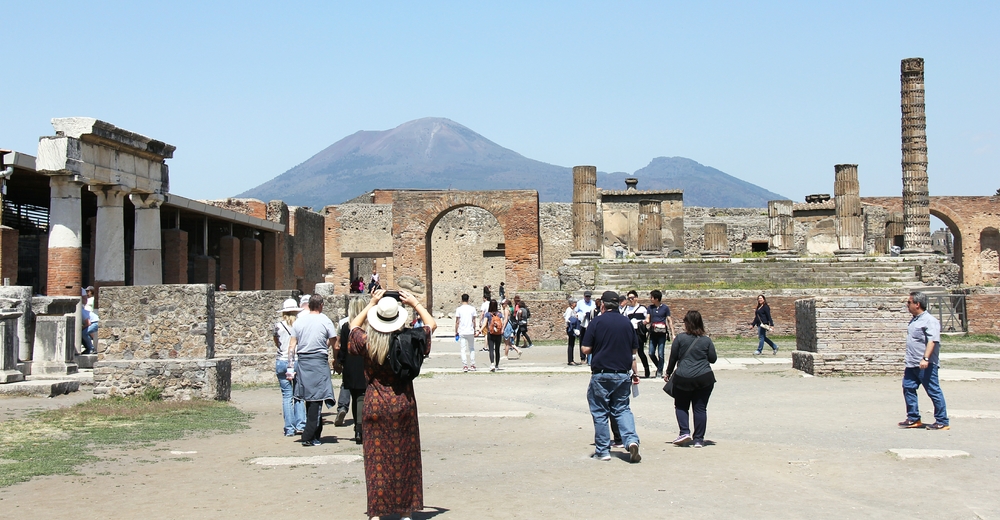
[608,396]
[913,377]
[762,335]
[657,343]
[88,341]
[294,412]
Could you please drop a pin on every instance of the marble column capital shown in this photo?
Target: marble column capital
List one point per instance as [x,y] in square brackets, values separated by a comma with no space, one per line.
[109,194]
[147,200]
[63,186]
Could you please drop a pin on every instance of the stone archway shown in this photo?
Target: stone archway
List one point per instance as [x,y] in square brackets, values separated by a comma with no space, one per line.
[414,214]
[465,251]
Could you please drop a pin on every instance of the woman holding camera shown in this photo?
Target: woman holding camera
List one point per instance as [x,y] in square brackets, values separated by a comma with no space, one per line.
[393,469]
[692,353]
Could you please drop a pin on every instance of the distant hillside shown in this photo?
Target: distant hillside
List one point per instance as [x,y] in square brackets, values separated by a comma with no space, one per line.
[703,185]
[437,153]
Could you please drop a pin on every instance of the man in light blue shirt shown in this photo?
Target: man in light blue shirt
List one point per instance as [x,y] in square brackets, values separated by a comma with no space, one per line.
[923,344]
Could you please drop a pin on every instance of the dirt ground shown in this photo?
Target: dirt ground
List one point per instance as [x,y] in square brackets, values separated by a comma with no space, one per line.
[782,446]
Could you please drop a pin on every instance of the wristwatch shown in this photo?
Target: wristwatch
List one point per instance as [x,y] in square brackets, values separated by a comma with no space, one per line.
[927,359]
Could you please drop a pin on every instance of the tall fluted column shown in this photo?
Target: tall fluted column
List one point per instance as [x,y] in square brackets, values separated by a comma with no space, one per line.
[585,235]
[650,222]
[65,230]
[781,226]
[109,242]
[847,207]
[916,205]
[147,262]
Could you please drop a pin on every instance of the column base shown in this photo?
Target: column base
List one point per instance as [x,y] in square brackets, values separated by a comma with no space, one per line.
[10,376]
[39,368]
[782,254]
[715,254]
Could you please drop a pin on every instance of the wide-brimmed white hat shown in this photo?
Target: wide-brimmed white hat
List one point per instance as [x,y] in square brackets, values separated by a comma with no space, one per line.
[289,306]
[387,316]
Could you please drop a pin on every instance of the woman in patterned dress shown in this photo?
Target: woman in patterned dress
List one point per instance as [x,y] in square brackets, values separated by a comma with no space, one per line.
[393,471]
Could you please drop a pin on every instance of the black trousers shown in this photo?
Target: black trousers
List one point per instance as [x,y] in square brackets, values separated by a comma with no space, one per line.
[698,401]
[314,421]
[572,344]
[522,330]
[357,404]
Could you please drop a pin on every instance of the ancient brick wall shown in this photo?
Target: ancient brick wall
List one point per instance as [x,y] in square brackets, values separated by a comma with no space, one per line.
[251,207]
[555,222]
[967,217]
[465,256]
[157,322]
[415,213]
[851,334]
[983,310]
[304,250]
[358,231]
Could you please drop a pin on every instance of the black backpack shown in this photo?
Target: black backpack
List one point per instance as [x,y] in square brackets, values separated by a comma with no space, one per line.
[406,352]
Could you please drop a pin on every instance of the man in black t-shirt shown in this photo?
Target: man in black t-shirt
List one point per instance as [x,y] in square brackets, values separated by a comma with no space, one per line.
[612,341]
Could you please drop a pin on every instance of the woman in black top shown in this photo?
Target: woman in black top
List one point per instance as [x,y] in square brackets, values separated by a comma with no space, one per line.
[762,320]
[692,352]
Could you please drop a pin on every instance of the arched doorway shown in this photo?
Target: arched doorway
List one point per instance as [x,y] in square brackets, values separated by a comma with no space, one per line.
[956,238]
[466,250]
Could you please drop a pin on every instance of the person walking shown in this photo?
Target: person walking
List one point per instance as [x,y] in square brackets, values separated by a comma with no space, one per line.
[312,337]
[294,412]
[762,320]
[586,309]
[923,348]
[90,322]
[636,313]
[572,330]
[660,327]
[493,335]
[692,353]
[352,368]
[521,315]
[393,469]
[613,345]
[507,308]
[465,329]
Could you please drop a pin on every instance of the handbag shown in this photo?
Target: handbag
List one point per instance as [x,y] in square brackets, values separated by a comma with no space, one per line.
[660,327]
[669,387]
[766,327]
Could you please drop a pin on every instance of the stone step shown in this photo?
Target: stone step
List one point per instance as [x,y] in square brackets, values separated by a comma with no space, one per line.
[40,388]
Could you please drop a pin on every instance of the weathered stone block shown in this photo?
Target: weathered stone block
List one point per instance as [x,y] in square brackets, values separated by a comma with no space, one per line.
[199,378]
[158,322]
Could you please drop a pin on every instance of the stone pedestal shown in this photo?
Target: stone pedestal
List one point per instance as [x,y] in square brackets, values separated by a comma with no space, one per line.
[147,268]
[20,301]
[54,350]
[64,259]
[586,239]
[847,204]
[916,201]
[650,222]
[850,335]
[109,241]
[8,348]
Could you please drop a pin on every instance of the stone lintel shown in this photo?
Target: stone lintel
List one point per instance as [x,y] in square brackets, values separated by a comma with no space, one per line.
[94,130]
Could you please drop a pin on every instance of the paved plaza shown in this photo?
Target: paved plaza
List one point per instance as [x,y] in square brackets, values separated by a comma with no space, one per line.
[516,444]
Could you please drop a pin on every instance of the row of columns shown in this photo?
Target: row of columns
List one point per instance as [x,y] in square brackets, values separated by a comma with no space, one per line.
[66,231]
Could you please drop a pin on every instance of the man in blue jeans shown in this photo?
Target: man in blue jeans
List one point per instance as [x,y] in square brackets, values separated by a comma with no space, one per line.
[613,344]
[923,344]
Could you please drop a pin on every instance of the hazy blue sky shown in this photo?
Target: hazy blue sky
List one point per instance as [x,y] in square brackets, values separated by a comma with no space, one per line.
[774,93]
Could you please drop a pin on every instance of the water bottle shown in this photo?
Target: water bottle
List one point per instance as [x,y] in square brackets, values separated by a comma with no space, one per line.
[456,337]
[635,389]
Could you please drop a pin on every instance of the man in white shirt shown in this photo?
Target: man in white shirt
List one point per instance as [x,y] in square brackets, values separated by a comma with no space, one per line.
[465,329]
[586,310]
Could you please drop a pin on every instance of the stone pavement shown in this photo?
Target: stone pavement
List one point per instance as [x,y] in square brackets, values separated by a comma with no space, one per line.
[516,444]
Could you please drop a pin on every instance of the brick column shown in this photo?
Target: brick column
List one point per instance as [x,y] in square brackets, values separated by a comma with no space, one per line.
[847,204]
[272,268]
[250,275]
[109,241]
[64,246]
[229,262]
[175,256]
[204,270]
[916,204]
[650,222]
[147,263]
[585,236]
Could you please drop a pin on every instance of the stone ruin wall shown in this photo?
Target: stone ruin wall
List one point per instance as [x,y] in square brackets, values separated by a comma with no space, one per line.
[244,322]
[305,249]
[743,227]
[621,225]
[360,230]
[555,222]
[851,335]
[465,257]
